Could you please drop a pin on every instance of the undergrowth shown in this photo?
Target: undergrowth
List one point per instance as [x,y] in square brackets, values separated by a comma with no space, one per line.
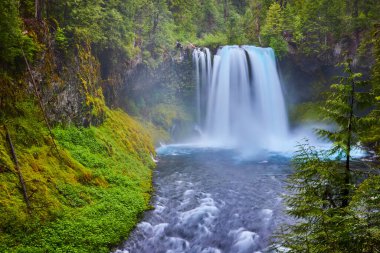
[86,199]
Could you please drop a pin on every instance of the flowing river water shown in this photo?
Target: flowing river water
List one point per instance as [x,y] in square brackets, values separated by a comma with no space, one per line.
[210,201]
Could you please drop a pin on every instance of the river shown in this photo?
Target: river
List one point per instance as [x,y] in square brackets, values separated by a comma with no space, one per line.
[211,201]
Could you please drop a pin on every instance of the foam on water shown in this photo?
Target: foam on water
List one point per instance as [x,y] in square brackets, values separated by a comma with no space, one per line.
[244,241]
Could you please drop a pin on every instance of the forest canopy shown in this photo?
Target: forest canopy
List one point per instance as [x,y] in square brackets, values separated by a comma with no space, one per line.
[151,28]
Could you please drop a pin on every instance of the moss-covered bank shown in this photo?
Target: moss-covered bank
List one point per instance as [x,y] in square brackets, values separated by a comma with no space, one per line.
[86,197]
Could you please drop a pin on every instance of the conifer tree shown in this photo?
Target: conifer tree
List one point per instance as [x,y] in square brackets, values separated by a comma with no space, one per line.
[371,134]
[273,28]
[341,109]
[314,201]
[321,187]
[365,218]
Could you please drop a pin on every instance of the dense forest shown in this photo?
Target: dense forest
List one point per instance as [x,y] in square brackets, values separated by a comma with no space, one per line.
[88,87]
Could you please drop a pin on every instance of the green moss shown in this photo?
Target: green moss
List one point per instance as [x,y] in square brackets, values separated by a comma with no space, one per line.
[87,199]
[163,117]
[305,112]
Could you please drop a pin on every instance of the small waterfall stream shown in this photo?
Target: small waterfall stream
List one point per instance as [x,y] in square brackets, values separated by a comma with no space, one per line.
[203,69]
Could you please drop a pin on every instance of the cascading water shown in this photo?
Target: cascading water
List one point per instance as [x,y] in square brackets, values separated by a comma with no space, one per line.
[240,101]
[202,61]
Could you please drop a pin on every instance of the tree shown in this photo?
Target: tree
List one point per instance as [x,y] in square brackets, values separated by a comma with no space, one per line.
[342,109]
[314,200]
[234,36]
[12,38]
[273,29]
[274,22]
[253,20]
[185,14]
[371,135]
[365,217]
[14,44]
[315,24]
[38,9]
[321,188]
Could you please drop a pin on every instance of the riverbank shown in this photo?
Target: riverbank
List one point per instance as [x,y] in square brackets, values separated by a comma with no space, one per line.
[86,195]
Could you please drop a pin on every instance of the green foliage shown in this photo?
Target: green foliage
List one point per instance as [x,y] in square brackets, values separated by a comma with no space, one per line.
[332,213]
[305,113]
[274,22]
[213,40]
[343,107]
[13,40]
[163,115]
[102,178]
[235,36]
[366,217]
[161,34]
[61,39]
[314,23]
[279,45]
[371,131]
[120,30]
[211,18]
[184,18]
[315,200]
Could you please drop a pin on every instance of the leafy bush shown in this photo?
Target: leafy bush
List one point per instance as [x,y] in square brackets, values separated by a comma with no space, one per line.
[213,40]
[61,39]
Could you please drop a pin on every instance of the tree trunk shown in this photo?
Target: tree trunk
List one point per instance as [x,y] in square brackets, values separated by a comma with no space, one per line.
[355,12]
[347,174]
[38,9]
[355,15]
[20,177]
[47,8]
[282,3]
[225,10]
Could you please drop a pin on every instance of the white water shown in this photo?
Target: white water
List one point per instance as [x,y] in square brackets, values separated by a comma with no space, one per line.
[240,102]
[207,202]
[202,62]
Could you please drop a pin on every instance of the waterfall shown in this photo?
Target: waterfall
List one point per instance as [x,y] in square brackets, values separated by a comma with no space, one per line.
[202,62]
[239,98]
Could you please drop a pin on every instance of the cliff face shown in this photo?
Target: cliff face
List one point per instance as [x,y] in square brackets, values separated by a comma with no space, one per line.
[68,84]
[74,86]
[306,76]
[163,96]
